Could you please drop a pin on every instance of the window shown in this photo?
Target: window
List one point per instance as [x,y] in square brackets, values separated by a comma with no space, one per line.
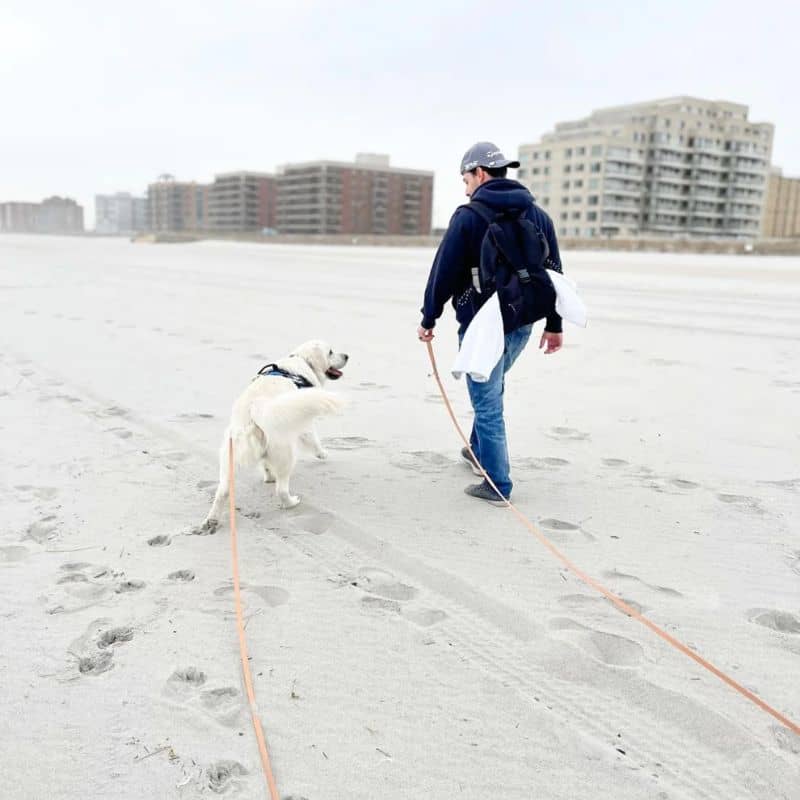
[597,149]
[596,167]
[581,151]
[565,185]
[577,184]
[591,216]
[536,156]
[565,201]
[535,171]
[567,168]
[545,170]
[577,199]
[564,217]
[594,183]
[593,199]
[576,215]
[568,153]
[545,201]
[546,155]
[579,167]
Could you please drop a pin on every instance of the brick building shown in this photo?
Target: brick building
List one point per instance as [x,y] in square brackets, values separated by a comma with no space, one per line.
[367,196]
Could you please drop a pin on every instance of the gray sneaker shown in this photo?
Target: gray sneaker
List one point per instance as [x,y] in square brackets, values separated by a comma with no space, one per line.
[485,492]
[473,464]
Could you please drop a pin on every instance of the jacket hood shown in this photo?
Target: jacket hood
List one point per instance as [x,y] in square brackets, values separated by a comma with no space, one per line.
[502,193]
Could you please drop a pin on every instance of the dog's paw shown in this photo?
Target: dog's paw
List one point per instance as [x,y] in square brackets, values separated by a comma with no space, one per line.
[208,527]
[268,477]
[322,455]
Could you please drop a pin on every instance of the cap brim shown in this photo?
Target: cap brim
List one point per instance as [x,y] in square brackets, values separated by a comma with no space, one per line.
[512,164]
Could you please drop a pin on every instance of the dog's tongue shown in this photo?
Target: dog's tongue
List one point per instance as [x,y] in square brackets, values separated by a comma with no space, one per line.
[333,373]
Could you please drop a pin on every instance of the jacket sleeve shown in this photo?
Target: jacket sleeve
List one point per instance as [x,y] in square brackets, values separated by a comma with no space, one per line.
[553,261]
[447,269]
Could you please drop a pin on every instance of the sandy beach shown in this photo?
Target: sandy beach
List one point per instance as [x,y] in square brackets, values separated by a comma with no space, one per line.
[405,640]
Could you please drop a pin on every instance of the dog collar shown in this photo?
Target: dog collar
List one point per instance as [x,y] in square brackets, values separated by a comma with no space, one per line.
[273,369]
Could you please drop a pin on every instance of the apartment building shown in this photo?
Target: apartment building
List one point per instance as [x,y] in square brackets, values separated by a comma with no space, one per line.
[681,166]
[177,206]
[119,213]
[782,211]
[242,201]
[367,196]
[18,217]
[52,215]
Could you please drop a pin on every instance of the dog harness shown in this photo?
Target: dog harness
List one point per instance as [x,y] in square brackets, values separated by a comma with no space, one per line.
[269,370]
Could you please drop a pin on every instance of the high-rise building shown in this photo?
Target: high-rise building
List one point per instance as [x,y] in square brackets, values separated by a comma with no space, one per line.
[675,167]
[18,217]
[782,212]
[52,215]
[119,213]
[242,201]
[177,206]
[365,197]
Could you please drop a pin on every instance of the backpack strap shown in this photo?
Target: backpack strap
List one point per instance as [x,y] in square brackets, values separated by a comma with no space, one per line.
[488,216]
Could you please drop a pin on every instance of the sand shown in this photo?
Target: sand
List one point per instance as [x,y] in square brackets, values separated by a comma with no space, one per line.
[406,641]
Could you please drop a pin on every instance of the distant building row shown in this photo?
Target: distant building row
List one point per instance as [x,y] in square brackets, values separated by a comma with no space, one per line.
[320,197]
[53,215]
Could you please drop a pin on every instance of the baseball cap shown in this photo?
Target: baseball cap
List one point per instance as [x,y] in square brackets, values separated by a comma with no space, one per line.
[485,154]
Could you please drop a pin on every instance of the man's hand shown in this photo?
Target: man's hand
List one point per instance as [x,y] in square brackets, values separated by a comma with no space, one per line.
[553,342]
[424,334]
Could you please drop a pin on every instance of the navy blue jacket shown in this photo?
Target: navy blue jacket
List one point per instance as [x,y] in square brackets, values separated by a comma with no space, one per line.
[460,249]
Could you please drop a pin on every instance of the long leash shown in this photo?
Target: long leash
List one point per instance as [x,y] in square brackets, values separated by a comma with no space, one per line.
[618,602]
[272,789]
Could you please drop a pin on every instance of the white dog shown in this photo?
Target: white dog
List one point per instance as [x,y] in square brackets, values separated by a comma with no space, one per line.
[275,412]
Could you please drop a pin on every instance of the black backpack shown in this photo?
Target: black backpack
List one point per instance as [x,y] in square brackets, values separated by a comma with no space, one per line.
[513,254]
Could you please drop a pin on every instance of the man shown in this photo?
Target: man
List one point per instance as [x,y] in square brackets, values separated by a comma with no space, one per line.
[483,170]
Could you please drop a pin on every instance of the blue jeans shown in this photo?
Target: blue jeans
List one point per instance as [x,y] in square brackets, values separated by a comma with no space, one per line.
[488,438]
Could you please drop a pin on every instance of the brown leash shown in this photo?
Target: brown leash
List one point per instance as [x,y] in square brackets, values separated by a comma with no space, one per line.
[272,789]
[589,581]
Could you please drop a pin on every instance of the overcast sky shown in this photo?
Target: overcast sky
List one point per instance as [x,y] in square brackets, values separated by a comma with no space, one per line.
[103,97]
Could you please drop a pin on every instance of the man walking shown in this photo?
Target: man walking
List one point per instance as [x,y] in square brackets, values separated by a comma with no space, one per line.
[483,170]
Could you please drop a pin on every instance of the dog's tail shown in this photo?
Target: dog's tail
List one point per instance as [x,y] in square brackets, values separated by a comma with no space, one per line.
[294,412]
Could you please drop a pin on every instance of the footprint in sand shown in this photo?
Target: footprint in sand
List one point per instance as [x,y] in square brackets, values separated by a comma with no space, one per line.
[39,492]
[558,525]
[568,434]
[188,677]
[548,462]
[743,502]
[95,664]
[273,596]
[615,575]
[790,484]
[115,636]
[195,415]
[162,540]
[787,740]
[11,554]
[120,433]
[42,530]
[424,617]
[615,462]
[317,523]
[225,704]
[425,461]
[682,483]
[780,621]
[206,484]
[131,585]
[383,584]
[616,651]
[224,775]
[184,575]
